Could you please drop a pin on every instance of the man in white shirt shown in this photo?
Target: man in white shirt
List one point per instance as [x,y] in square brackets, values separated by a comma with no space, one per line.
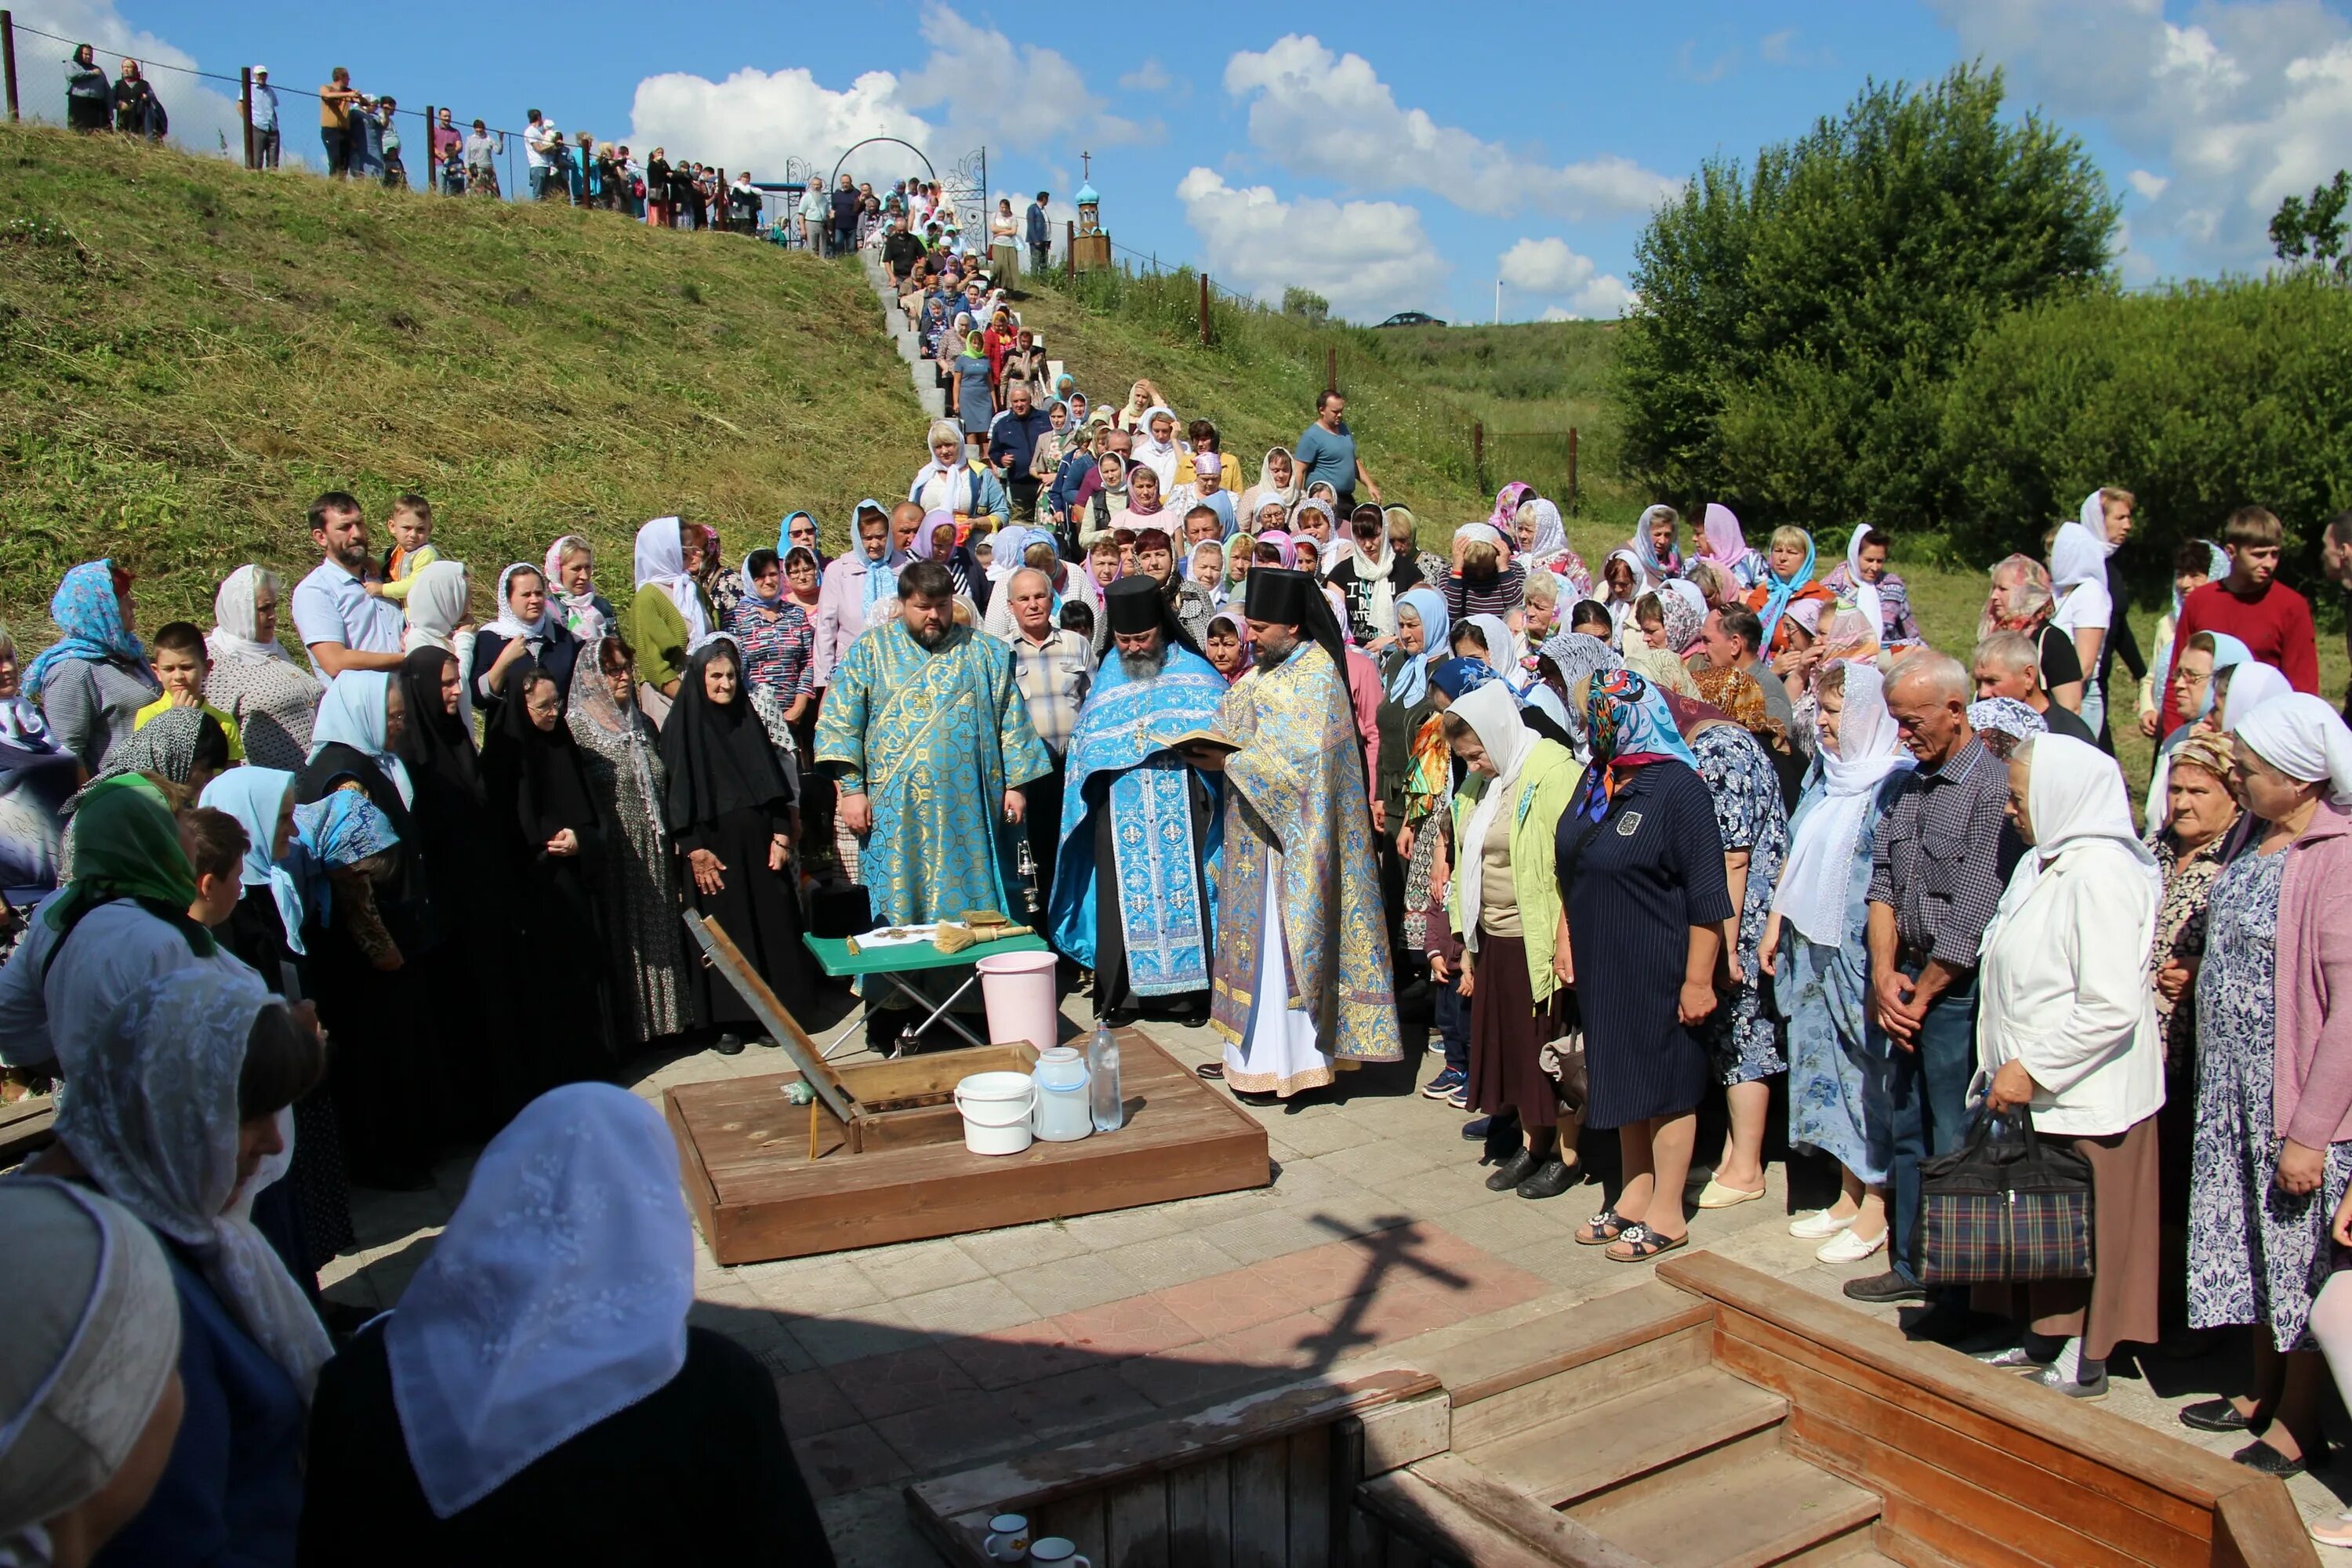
[539,140]
[264,120]
[811,212]
[343,624]
[1054,668]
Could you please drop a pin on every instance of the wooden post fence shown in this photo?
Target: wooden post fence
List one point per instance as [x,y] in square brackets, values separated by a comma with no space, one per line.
[432,154]
[1571,466]
[1204,309]
[245,110]
[8,59]
[1070,249]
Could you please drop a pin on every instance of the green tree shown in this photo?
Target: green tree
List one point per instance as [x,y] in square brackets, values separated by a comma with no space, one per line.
[1798,320]
[1306,305]
[2309,231]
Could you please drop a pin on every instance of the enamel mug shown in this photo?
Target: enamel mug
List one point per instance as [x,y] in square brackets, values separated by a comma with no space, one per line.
[1008,1539]
[1054,1552]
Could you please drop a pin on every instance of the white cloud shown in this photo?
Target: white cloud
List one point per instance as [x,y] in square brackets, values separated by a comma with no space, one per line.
[1368,259]
[1320,113]
[757,119]
[1577,288]
[1777,49]
[205,118]
[1149,77]
[2249,102]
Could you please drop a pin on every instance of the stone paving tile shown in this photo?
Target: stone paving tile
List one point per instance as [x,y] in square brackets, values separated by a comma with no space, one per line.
[1260,1236]
[978,1307]
[813,1404]
[873,1331]
[1119,1227]
[1172,1261]
[892,1385]
[1202,1375]
[1227,1303]
[846,1460]
[1294,1342]
[1025,1353]
[1505,1227]
[1022,1246]
[1314,1135]
[1138,1325]
[1321,1275]
[1074,1284]
[810,1286]
[1369,1162]
[915,1267]
[1393,1313]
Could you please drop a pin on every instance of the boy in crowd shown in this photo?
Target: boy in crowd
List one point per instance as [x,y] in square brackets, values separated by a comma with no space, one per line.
[411,526]
[181,662]
[2251,605]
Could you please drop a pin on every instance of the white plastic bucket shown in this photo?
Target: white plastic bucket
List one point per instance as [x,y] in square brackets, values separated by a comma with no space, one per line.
[1065,1107]
[996,1108]
[1018,990]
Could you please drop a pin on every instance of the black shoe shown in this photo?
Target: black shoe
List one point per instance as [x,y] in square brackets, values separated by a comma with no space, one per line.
[1885,1288]
[1553,1177]
[1513,1171]
[729,1044]
[1120,1017]
[2214,1415]
[2259,1456]
[1475,1130]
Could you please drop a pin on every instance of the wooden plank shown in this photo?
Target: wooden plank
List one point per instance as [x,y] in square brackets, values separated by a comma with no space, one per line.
[720,952]
[1259,1479]
[1077,1520]
[1643,1363]
[1199,1515]
[959,1540]
[1574,1455]
[1023,1482]
[1394,1435]
[693,1176]
[1135,1523]
[1509,1358]
[1981,1433]
[1349,1529]
[1442,1521]
[1554,1534]
[1996,1467]
[766,1200]
[1756,1504]
[1868,1461]
[2180,1468]
[2258,1526]
[1310,1497]
[1918,1536]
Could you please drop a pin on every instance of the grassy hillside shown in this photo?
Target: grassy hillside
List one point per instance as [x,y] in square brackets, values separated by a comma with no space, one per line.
[189,353]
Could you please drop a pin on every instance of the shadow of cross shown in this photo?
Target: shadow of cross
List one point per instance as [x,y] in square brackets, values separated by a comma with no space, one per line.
[1393,1244]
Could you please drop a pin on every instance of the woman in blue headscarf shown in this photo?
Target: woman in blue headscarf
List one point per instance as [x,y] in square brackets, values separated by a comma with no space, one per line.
[92,681]
[1788,579]
[2197,562]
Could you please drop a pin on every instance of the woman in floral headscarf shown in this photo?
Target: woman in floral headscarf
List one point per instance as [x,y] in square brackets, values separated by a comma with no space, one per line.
[1721,543]
[2021,600]
[1644,902]
[92,681]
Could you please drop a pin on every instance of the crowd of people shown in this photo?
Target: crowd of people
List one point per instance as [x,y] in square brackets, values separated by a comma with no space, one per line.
[1633,843]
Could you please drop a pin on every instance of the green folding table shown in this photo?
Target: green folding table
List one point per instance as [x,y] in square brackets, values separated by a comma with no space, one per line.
[900,959]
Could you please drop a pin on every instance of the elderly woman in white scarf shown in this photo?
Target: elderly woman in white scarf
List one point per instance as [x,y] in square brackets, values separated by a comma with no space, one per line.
[1543,545]
[1156,447]
[252,677]
[1816,951]
[90,1398]
[2066,1035]
[952,483]
[670,612]
[180,1114]
[2078,573]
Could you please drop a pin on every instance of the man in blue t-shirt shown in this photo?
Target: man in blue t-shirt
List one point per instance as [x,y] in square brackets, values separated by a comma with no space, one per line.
[1327,451]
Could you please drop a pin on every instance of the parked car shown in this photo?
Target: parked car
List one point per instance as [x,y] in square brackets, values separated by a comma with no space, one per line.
[1412,319]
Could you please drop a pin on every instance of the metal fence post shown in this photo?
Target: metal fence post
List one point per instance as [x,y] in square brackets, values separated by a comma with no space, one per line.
[245,109]
[8,59]
[1571,466]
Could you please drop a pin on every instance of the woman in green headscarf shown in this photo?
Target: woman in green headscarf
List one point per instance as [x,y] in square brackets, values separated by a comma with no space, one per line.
[123,920]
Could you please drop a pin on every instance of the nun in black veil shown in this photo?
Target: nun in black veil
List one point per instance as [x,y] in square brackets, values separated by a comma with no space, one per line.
[539,804]
[473,897]
[729,811]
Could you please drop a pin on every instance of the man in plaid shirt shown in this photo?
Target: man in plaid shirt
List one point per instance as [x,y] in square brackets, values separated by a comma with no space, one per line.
[1054,668]
[1942,856]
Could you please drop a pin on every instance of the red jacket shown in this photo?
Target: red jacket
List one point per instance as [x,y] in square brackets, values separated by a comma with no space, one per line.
[2275,624]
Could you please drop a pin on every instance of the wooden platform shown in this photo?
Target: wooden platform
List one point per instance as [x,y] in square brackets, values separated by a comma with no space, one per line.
[743,1151]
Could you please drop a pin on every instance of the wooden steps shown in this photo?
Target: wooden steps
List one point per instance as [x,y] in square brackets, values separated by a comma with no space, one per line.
[1593,1447]
[1742,1506]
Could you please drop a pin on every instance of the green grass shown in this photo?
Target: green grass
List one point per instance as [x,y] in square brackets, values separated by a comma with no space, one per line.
[189,353]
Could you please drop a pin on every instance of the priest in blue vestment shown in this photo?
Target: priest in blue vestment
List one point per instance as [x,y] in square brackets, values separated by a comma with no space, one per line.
[1130,895]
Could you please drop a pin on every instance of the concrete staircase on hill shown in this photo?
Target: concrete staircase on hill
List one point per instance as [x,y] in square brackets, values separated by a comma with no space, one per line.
[927,391]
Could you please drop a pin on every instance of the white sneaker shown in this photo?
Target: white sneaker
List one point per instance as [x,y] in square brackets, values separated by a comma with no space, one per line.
[1818,1226]
[1847,1248]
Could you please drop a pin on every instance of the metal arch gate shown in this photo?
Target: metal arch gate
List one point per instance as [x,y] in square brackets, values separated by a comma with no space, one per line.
[965,187]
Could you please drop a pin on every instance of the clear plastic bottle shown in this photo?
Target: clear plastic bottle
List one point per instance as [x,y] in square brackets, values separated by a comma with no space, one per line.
[1102,1069]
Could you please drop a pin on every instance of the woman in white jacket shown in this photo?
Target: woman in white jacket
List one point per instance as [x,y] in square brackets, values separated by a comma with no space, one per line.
[2066,1026]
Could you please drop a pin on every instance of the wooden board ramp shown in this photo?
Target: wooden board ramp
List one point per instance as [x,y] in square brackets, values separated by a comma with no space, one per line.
[1713,1418]
[880,1157]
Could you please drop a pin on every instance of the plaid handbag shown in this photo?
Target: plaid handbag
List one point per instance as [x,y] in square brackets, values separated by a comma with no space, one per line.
[2010,1209]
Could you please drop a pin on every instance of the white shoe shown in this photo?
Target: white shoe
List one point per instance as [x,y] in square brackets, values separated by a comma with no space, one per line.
[1818,1226]
[1847,1248]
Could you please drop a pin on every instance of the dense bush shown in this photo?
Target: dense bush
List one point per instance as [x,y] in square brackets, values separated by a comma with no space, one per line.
[1798,323]
[2200,399]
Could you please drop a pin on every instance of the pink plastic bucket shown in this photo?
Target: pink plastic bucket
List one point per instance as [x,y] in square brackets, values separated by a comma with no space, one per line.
[1018,990]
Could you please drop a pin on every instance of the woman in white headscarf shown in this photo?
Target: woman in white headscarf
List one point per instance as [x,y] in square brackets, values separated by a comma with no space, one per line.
[180,1113]
[540,1358]
[1816,949]
[90,1398]
[670,612]
[2083,610]
[1277,484]
[2066,1034]
[1504,911]
[2272,1165]
[439,617]
[252,678]
[1156,447]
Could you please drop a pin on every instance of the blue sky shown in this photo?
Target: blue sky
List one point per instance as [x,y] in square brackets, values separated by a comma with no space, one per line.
[1358,149]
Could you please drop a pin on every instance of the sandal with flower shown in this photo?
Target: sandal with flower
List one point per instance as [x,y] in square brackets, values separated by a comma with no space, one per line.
[1601,1229]
[1642,1244]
